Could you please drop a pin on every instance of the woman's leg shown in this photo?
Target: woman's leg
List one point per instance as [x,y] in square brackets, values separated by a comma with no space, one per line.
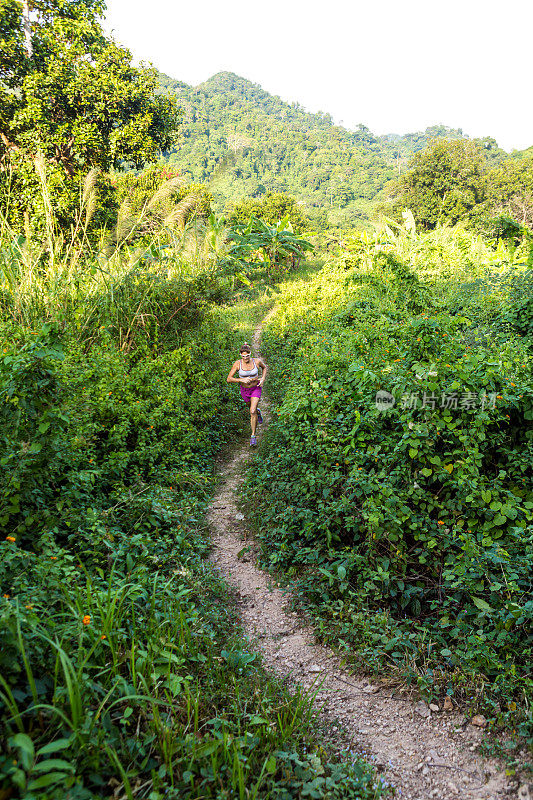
[253,413]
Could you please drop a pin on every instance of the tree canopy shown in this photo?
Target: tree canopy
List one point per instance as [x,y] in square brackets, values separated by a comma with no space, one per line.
[446,183]
[72,94]
[270,209]
[471,182]
[511,189]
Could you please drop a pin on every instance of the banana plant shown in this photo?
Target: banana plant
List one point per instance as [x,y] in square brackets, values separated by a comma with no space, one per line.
[274,245]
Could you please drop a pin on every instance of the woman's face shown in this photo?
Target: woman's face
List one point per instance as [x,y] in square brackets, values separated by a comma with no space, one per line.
[245,357]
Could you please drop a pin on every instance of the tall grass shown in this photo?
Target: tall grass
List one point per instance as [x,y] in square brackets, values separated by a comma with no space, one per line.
[114,278]
[134,668]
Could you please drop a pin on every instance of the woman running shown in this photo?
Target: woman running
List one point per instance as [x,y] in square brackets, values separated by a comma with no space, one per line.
[251,384]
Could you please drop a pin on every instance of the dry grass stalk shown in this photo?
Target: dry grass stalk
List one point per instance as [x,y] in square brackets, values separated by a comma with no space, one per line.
[40,168]
[181,213]
[165,191]
[89,194]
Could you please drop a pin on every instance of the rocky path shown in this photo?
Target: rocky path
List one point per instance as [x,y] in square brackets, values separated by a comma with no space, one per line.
[425,752]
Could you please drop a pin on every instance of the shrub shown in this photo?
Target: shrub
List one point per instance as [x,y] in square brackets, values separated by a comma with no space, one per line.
[408,528]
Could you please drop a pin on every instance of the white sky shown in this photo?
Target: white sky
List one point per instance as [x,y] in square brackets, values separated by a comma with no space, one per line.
[397,67]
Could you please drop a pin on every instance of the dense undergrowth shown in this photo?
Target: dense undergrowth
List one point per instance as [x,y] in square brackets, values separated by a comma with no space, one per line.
[406,525]
[123,671]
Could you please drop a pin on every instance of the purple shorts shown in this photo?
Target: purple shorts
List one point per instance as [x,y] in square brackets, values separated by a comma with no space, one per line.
[247,392]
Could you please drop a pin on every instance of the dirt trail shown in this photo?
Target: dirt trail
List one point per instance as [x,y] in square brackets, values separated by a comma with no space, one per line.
[424,753]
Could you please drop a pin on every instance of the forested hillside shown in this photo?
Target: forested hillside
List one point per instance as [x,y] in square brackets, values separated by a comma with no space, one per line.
[246,142]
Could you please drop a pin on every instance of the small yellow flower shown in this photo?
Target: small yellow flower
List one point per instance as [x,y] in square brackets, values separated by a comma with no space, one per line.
[440,522]
[7,596]
[11,539]
[86,619]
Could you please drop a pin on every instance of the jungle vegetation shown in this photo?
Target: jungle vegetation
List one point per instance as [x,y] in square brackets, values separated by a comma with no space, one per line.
[146,227]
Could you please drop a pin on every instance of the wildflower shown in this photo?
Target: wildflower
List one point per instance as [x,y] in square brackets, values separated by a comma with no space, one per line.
[7,596]
[11,539]
[30,606]
[53,558]
[86,619]
[103,636]
[440,522]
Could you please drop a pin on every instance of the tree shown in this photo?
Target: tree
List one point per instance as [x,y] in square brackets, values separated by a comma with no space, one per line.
[277,246]
[511,190]
[446,183]
[344,195]
[71,94]
[270,210]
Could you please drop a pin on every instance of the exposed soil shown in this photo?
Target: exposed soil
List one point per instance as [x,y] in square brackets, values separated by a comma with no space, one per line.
[425,753]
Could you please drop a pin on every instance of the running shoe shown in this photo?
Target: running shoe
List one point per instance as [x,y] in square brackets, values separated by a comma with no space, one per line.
[259,417]
[253,441]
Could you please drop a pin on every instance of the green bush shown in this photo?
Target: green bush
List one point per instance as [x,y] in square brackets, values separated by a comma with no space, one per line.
[76,427]
[122,667]
[408,528]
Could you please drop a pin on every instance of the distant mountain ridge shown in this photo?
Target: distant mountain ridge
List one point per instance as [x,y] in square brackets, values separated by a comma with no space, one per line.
[244,141]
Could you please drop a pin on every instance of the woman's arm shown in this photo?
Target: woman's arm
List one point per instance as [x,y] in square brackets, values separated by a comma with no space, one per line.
[233,370]
[264,367]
